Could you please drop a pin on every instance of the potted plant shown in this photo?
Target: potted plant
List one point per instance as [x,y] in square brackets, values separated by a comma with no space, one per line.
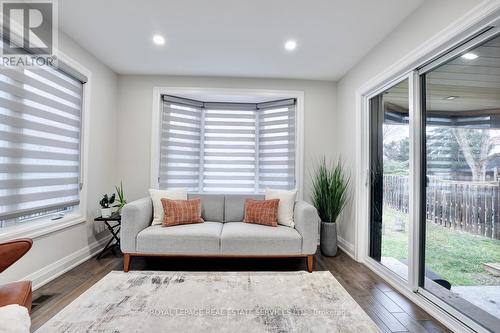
[330,186]
[105,203]
[121,197]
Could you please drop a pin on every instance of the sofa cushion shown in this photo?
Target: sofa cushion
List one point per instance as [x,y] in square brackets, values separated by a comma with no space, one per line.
[212,206]
[200,238]
[286,205]
[181,212]
[234,210]
[157,195]
[264,212]
[255,239]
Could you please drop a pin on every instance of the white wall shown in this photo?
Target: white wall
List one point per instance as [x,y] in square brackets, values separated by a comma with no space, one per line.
[57,251]
[120,131]
[428,20]
[135,94]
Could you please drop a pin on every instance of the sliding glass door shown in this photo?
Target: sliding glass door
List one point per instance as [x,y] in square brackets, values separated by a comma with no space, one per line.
[462,194]
[389,168]
[448,250]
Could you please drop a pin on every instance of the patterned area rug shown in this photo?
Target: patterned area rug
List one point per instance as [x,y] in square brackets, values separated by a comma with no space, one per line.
[213,302]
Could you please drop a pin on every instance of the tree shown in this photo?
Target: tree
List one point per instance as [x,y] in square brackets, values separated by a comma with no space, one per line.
[398,150]
[475,145]
[443,149]
[397,156]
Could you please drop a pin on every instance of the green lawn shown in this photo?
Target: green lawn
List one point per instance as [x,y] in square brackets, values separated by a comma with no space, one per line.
[454,255]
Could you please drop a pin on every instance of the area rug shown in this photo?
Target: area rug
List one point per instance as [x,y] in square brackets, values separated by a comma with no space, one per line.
[213,302]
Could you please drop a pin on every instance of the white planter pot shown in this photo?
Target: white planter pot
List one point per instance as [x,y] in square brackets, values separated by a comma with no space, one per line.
[106,212]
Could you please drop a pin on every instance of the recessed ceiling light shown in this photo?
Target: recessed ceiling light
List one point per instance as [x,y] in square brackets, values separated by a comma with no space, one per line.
[470,56]
[450,98]
[290,45]
[158,40]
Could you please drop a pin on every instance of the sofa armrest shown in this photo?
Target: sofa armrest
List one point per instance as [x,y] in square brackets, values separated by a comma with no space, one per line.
[136,216]
[306,221]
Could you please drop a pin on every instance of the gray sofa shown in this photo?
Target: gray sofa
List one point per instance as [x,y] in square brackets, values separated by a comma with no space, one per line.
[223,234]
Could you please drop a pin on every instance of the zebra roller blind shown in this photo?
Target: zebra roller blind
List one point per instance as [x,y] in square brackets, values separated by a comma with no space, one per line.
[40,122]
[277,145]
[227,147]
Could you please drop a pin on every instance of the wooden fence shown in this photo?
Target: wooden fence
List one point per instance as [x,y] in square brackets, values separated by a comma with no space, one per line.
[468,206]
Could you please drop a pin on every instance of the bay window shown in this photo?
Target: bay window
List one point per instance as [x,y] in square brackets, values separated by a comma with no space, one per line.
[227,147]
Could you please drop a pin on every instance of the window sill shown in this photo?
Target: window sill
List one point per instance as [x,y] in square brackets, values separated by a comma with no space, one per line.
[40,227]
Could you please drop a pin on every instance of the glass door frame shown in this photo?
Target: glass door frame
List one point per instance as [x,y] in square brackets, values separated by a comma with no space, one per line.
[414,171]
[469,45]
[417,184]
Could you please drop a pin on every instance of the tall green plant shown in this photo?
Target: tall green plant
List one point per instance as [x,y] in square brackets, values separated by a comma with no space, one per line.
[121,196]
[330,185]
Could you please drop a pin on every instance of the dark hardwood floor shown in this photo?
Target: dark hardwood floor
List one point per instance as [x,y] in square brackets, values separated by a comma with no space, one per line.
[390,310]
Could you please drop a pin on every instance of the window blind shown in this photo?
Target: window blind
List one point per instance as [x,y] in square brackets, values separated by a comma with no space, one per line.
[180,144]
[227,147]
[40,122]
[277,145]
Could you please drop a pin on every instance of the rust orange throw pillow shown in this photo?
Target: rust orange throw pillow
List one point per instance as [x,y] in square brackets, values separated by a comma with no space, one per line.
[181,212]
[263,212]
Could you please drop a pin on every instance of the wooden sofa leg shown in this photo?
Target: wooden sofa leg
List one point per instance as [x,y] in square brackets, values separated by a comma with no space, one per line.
[126,262]
[310,263]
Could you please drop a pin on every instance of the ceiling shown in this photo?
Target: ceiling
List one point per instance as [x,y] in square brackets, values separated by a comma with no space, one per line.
[473,84]
[243,38]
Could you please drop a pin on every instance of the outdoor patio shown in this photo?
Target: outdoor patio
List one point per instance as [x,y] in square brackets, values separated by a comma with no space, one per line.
[452,255]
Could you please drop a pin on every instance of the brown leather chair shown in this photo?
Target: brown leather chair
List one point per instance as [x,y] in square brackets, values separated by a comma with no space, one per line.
[16,292]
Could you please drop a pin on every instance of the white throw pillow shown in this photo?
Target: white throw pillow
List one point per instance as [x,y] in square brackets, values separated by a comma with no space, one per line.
[285,206]
[14,319]
[157,195]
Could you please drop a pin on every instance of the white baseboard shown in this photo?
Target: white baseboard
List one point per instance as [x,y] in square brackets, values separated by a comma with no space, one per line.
[55,269]
[345,246]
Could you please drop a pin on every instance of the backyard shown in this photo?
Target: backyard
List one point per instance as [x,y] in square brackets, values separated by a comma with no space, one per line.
[455,255]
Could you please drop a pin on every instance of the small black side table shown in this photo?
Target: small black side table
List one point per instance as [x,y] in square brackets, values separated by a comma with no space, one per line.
[114,229]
